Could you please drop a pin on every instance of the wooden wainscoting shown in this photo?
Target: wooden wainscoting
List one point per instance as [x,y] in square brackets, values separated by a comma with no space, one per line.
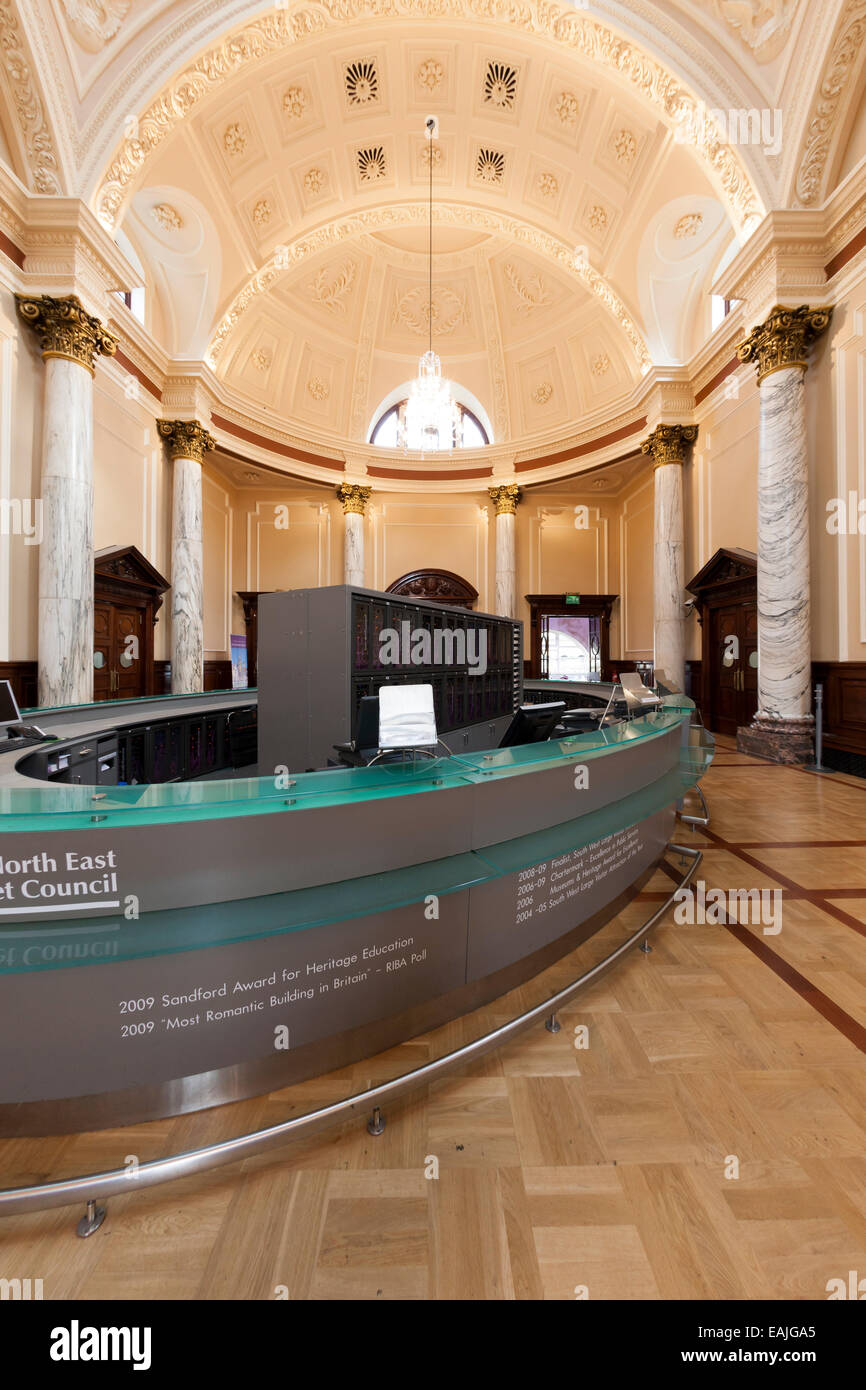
[844,685]
[22,676]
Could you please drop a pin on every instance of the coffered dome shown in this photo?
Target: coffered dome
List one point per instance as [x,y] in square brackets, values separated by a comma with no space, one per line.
[298,244]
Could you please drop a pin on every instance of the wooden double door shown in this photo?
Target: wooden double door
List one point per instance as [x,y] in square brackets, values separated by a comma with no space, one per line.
[127,597]
[733,649]
[726,591]
[119,673]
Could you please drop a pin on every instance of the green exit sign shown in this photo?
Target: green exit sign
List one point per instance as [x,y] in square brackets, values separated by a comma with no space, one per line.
[572,598]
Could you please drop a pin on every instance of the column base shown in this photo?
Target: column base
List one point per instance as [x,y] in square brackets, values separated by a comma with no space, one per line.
[790,741]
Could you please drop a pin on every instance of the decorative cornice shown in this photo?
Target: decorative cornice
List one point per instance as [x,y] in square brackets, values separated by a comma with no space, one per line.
[505,498]
[354,498]
[335,233]
[838,74]
[668,444]
[784,339]
[41,156]
[65,329]
[286,27]
[186,439]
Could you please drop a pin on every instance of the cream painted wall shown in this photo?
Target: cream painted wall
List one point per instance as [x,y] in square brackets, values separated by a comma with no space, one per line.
[636,588]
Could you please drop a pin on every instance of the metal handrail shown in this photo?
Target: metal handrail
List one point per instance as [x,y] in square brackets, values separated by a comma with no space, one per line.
[14,1201]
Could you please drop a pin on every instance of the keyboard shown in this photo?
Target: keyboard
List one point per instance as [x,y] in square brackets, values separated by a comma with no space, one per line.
[15,745]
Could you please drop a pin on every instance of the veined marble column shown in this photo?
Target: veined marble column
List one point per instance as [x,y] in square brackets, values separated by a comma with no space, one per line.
[506,499]
[354,499]
[667,448]
[71,340]
[783,728]
[187,442]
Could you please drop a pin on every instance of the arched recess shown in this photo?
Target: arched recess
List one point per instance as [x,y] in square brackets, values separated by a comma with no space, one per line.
[569,30]
[437,586]
[335,233]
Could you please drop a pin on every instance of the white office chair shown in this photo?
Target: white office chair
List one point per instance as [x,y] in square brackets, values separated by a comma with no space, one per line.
[407,722]
[639,700]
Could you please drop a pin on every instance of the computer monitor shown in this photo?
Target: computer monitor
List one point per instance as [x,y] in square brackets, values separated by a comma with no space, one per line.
[9,711]
[532,724]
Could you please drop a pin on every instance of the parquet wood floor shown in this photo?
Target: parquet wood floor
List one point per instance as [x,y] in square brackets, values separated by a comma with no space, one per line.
[709,1142]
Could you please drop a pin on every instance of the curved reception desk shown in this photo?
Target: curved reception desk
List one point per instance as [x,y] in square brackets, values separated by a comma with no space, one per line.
[169,947]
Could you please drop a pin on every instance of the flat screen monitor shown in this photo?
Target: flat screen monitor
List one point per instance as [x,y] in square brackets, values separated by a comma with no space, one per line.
[9,711]
[532,724]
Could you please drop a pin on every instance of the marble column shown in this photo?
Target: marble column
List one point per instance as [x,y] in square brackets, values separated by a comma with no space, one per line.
[70,340]
[354,499]
[506,499]
[667,446]
[187,443]
[783,727]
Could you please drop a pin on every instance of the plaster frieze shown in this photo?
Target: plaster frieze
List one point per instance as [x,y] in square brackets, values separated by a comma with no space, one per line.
[42,157]
[837,82]
[575,32]
[93,23]
[544,244]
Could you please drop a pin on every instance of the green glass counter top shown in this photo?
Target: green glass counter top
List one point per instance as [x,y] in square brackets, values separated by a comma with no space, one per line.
[43,807]
[28,948]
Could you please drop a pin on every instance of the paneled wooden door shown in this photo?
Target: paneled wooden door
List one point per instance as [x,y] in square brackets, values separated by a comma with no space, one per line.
[733,652]
[119,640]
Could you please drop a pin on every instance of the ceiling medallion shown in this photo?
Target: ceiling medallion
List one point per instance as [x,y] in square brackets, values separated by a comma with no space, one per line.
[315,180]
[415,307]
[600,364]
[624,146]
[295,102]
[597,217]
[431,75]
[431,153]
[567,108]
[371,164]
[235,138]
[500,86]
[168,217]
[543,392]
[531,293]
[548,185]
[688,225]
[318,389]
[362,82]
[490,166]
[260,359]
[262,212]
[331,294]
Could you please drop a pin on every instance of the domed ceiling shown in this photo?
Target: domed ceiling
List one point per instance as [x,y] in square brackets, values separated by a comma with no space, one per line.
[287,215]
[267,164]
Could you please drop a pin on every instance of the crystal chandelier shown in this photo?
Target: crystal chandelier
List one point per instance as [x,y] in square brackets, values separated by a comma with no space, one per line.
[431,418]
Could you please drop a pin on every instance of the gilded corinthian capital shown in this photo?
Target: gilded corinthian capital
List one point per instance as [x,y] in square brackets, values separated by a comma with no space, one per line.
[186,439]
[65,329]
[668,444]
[354,498]
[505,498]
[784,339]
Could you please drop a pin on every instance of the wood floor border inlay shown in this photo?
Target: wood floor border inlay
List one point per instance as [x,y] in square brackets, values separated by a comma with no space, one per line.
[832,1012]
